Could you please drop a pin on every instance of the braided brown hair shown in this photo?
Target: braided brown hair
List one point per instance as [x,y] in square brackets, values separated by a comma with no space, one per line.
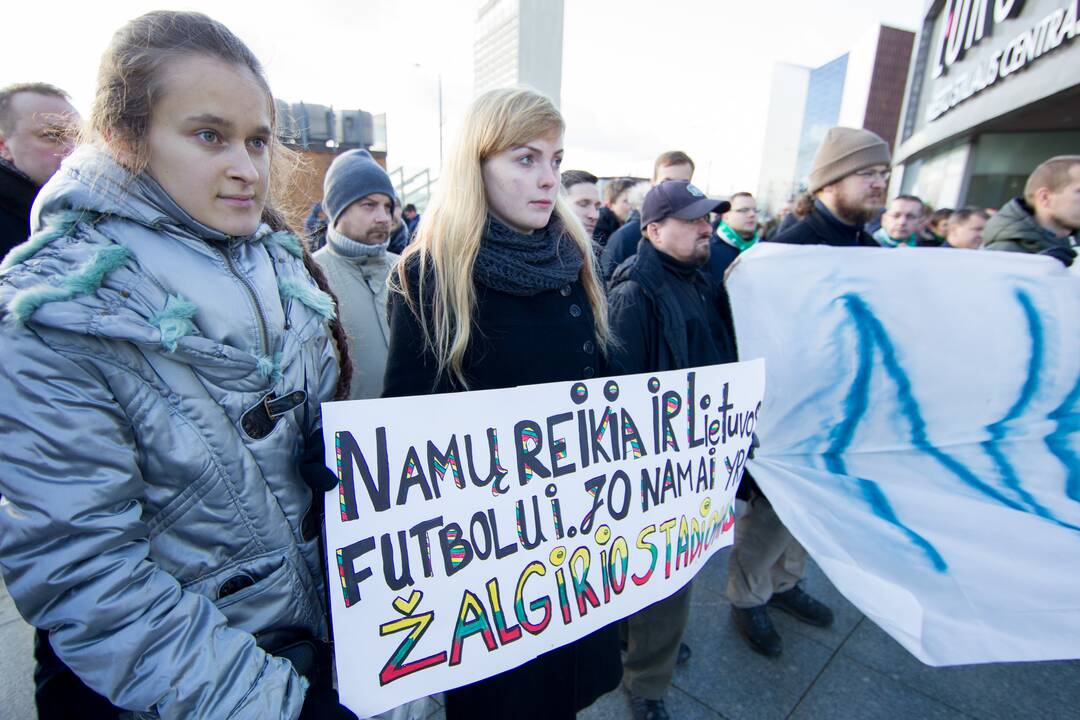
[277,222]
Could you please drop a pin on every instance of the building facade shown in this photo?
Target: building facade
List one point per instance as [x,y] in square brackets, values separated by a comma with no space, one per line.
[317,134]
[863,88]
[519,42]
[993,90]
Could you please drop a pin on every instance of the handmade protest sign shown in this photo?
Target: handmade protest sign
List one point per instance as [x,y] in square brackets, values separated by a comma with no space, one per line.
[920,436]
[471,532]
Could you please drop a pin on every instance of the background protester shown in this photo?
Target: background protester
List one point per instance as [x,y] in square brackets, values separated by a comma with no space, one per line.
[901,223]
[848,178]
[670,165]
[172,554]
[584,199]
[360,203]
[37,131]
[499,290]
[666,318]
[937,228]
[1046,219]
[412,217]
[737,231]
[315,227]
[965,228]
[616,209]
[800,209]
[399,231]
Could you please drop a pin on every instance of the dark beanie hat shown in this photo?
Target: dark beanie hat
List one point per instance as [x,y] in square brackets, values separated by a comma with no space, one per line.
[353,175]
[845,151]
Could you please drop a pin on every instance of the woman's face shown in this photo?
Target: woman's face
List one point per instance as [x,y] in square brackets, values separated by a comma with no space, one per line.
[209,142]
[522,182]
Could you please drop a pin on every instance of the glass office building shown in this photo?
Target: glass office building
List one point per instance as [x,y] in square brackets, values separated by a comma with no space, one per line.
[823,98]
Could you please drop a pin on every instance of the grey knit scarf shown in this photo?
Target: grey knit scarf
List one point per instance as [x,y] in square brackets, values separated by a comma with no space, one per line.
[524,265]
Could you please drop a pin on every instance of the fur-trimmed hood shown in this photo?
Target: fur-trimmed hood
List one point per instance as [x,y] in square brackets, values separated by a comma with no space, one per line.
[114,256]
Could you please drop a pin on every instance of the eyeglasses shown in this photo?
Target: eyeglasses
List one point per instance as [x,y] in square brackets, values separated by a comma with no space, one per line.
[871,175]
[746,210]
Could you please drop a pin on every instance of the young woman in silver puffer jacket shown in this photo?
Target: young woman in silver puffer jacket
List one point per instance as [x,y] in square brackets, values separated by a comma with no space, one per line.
[165,357]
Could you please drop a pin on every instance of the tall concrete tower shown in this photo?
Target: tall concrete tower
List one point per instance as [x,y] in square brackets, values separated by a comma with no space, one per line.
[519,42]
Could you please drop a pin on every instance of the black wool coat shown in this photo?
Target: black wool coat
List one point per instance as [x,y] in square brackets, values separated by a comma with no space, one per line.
[621,245]
[546,337]
[17,193]
[821,227]
[606,225]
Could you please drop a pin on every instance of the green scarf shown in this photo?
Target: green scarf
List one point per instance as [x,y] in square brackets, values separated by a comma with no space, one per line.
[733,237]
[885,241]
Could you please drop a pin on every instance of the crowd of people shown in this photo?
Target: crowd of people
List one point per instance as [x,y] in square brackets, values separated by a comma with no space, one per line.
[168,341]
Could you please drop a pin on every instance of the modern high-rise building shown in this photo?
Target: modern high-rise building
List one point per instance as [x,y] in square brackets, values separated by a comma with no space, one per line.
[864,88]
[519,42]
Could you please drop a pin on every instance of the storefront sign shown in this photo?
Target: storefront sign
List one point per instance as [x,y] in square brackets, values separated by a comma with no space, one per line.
[969,22]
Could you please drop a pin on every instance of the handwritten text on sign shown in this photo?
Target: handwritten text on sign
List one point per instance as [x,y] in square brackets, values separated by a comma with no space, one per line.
[472,532]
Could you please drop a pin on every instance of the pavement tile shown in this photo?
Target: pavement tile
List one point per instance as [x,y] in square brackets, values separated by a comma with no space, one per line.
[713,579]
[998,691]
[846,615]
[616,706]
[849,690]
[713,576]
[16,670]
[732,679]
[8,613]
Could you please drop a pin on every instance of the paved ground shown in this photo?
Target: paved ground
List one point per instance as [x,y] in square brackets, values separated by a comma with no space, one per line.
[852,670]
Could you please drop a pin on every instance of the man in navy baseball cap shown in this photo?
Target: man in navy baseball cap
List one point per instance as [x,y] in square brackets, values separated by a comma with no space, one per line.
[675,219]
[666,314]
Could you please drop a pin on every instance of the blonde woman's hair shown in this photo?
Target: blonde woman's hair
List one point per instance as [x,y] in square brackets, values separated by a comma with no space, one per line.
[448,237]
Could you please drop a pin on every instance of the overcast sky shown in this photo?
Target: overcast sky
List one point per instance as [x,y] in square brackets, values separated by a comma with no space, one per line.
[639,76]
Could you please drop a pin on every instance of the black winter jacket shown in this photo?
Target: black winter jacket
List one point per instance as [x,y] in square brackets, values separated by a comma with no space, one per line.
[1014,229]
[665,316]
[606,225]
[516,340]
[621,245]
[17,193]
[821,227]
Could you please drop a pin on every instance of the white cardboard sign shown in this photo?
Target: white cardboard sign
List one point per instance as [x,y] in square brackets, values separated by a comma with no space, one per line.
[473,531]
[921,437]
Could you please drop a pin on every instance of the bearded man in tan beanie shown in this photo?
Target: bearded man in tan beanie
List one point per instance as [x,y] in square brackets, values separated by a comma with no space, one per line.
[848,179]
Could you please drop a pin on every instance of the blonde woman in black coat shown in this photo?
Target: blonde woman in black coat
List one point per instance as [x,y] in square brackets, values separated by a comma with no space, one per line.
[499,289]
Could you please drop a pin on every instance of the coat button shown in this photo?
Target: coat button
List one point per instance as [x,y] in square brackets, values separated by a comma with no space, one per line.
[565,291]
[589,372]
[575,311]
[588,347]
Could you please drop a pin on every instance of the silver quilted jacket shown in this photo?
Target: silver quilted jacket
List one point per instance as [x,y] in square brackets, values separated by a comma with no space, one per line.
[140,523]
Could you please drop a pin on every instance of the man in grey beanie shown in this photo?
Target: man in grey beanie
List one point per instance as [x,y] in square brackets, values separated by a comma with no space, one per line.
[359,200]
[849,178]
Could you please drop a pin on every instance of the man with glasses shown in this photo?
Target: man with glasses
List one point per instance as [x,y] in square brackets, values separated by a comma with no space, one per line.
[663,312]
[848,179]
[902,222]
[737,231]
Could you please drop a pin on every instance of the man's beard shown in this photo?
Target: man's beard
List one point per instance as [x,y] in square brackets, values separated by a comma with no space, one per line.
[376,236]
[857,214]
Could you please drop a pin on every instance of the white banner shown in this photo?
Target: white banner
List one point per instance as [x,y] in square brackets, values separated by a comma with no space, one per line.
[475,531]
[921,437]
